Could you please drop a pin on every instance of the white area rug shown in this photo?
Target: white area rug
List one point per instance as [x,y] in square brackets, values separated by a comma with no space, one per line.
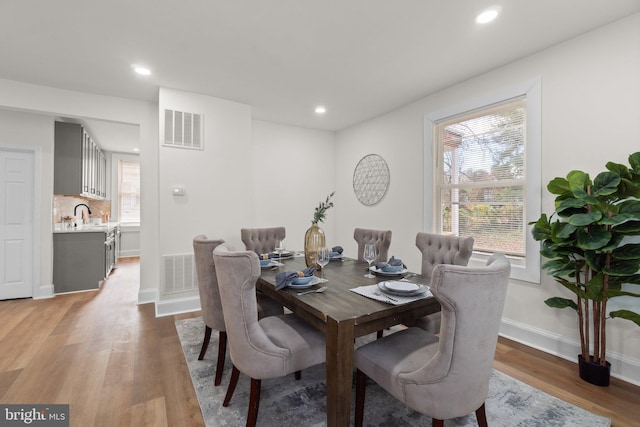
[287,402]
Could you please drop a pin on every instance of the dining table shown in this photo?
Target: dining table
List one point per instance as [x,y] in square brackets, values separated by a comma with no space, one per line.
[342,315]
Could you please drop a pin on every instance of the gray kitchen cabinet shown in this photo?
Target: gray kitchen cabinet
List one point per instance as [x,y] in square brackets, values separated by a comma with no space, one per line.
[79,260]
[79,164]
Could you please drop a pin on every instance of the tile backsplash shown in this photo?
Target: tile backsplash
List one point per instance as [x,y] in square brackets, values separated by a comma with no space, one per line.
[63,206]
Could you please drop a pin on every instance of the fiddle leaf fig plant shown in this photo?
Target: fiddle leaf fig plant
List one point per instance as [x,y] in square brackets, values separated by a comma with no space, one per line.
[589,247]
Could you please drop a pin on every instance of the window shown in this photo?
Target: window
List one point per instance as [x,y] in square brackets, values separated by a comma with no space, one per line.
[481,181]
[128,191]
[485,181]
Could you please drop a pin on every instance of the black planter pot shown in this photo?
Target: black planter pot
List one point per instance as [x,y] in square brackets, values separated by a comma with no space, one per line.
[593,373]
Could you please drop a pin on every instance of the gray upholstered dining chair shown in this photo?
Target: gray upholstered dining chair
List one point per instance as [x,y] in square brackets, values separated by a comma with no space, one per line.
[380,238]
[210,299]
[448,376]
[440,249]
[211,304]
[262,240]
[271,347]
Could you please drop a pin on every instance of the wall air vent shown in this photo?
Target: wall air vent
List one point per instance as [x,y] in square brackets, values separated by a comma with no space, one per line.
[183,130]
[179,274]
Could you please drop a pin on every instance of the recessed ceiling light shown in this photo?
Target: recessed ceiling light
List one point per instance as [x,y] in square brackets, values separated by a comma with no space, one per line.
[488,15]
[144,71]
[320,109]
[136,150]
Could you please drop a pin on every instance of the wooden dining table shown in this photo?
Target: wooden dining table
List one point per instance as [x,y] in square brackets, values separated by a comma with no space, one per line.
[343,315]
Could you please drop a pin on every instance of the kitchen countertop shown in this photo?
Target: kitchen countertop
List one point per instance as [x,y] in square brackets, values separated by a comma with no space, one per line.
[86,228]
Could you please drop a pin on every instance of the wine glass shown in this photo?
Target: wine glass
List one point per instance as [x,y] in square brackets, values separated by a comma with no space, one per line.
[280,245]
[322,259]
[369,255]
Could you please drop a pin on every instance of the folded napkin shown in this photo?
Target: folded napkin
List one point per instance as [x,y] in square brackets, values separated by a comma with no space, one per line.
[284,278]
[337,249]
[270,255]
[393,261]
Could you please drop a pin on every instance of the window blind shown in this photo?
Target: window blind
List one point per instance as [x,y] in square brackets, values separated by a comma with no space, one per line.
[482,177]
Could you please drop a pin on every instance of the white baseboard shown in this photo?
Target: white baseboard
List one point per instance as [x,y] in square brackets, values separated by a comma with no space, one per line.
[146,296]
[44,291]
[622,367]
[128,253]
[177,306]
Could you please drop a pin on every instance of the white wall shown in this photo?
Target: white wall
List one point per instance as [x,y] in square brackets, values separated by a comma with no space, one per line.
[249,174]
[590,115]
[293,171]
[218,184]
[35,132]
[129,241]
[397,138]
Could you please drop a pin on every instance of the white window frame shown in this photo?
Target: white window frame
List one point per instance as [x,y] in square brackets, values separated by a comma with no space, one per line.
[525,268]
[115,185]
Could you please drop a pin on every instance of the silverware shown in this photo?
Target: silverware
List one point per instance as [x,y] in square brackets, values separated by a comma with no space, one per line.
[322,289]
[385,296]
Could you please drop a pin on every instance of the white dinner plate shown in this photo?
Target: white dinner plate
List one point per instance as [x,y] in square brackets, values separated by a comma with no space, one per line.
[379,271]
[406,287]
[396,288]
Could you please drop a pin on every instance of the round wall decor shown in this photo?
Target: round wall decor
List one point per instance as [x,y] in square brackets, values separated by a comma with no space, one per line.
[371,179]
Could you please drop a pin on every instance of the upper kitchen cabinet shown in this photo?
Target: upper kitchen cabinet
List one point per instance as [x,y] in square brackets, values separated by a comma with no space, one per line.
[79,164]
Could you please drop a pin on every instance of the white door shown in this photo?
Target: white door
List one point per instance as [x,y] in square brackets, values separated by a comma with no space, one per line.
[16,223]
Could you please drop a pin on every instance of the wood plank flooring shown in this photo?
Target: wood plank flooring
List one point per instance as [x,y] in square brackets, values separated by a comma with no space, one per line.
[116,364]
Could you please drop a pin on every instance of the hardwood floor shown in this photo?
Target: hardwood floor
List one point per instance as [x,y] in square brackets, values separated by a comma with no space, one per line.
[116,364]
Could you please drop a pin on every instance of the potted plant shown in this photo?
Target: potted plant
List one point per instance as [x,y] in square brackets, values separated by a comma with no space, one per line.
[589,252]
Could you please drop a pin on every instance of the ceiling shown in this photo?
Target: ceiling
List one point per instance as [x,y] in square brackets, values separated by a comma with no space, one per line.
[359,58]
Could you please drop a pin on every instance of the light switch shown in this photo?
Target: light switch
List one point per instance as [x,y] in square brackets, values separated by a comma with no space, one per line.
[178,191]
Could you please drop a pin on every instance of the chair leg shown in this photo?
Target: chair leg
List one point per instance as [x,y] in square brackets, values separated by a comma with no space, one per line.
[481,416]
[235,373]
[254,403]
[437,423]
[361,387]
[205,343]
[222,352]
[379,334]
[297,375]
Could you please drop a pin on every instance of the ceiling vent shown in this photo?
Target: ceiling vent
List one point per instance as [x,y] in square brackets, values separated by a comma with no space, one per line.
[182,130]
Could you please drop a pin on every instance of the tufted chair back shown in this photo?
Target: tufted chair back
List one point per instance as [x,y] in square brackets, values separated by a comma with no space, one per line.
[445,377]
[267,348]
[262,240]
[456,380]
[441,249]
[380,238]
[208,282]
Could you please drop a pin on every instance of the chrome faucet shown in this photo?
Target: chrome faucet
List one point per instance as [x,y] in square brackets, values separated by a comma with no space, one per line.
[75,209]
